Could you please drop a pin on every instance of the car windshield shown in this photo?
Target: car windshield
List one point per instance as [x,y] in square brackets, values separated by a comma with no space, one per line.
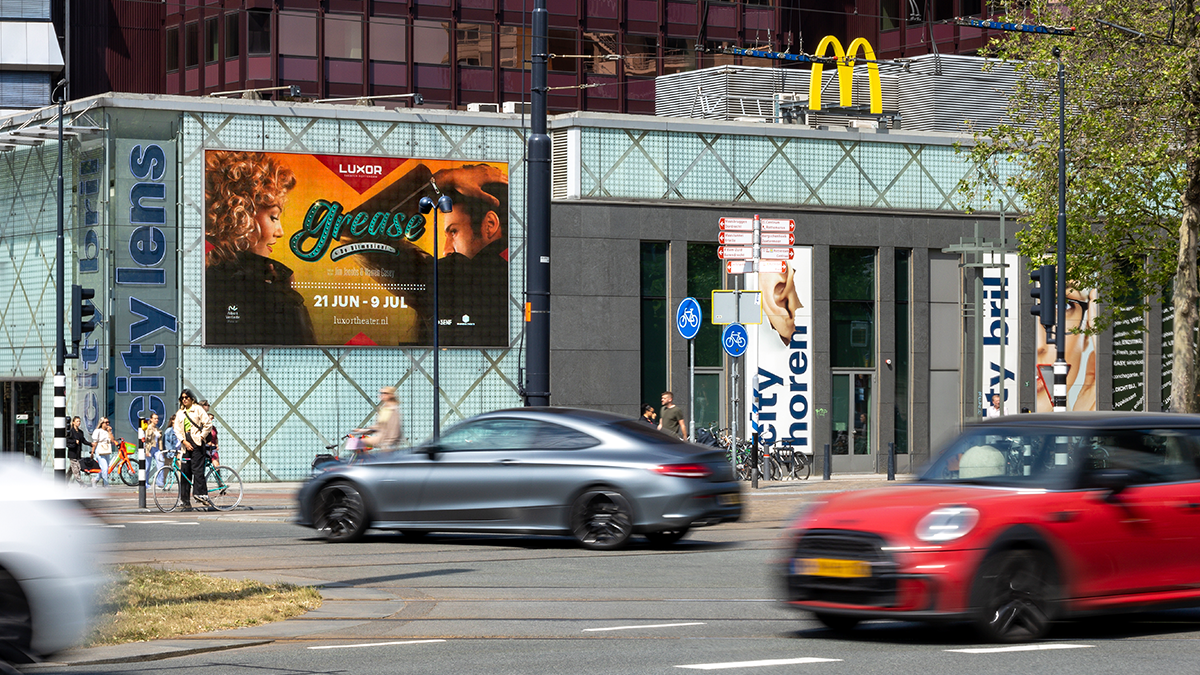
[1015,457]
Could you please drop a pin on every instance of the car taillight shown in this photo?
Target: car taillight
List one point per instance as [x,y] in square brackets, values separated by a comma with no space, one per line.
[684,470]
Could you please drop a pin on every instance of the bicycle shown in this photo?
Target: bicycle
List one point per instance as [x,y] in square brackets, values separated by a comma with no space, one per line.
[224,486]
[123,465]
[796,464]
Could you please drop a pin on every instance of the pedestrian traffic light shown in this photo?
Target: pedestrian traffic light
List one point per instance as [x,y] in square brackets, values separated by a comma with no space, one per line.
[82,312]
[1042,293]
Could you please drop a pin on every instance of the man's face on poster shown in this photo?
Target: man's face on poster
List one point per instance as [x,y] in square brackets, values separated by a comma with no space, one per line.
[462,238]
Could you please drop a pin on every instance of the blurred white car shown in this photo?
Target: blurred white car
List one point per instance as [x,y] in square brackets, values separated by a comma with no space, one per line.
[49,571]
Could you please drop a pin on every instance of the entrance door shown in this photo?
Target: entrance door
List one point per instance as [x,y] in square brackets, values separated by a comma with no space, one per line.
[20,417]
[853,423]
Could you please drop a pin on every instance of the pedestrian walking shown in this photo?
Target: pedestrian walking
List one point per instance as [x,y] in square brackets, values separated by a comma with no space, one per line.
[212,436]
[171,444]
[670,418]
[152,444]
[648,415]
[102,442]
[192,426]
[76,439]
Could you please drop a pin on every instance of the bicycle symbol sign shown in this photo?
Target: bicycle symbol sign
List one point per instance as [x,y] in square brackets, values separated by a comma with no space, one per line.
[688,317]
[734,339]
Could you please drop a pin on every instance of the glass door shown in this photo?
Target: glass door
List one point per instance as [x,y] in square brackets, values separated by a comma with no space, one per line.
[852,423]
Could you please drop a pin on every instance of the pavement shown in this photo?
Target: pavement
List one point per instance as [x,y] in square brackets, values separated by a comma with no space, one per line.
[344,606]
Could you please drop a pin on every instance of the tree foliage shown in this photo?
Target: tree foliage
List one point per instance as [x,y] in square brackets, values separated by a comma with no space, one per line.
[1133,156]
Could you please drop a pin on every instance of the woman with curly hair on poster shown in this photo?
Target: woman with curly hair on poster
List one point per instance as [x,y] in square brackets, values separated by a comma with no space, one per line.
[249,299]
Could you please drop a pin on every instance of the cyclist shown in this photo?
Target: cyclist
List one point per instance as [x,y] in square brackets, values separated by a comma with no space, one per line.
[388,429]
[192,425]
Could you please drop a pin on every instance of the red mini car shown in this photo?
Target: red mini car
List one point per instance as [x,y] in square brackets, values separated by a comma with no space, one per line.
[1021,521]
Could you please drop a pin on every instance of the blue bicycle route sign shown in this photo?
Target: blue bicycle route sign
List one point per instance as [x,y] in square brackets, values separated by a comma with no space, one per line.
[734,339]
[688,317]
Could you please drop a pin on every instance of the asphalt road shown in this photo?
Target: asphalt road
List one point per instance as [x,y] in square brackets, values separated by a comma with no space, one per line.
[509,604]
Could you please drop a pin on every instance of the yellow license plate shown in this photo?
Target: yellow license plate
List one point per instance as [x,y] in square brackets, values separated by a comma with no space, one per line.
[729,499]
[828,567]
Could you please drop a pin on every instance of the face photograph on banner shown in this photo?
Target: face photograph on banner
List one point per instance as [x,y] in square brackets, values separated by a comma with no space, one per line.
[332,250]
[783,353]
[1080,354]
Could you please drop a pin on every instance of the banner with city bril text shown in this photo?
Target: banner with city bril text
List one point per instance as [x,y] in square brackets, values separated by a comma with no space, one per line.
[333,250]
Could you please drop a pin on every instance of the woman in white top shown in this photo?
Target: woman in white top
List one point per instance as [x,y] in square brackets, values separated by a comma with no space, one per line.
[102,441]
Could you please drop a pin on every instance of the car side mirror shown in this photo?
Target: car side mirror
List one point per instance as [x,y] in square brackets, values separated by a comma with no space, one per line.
[433,449]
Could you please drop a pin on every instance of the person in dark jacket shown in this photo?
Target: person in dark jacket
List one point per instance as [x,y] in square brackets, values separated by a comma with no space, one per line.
[248,296]
[76,439]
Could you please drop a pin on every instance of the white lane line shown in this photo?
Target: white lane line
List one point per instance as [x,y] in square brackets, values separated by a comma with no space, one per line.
[377,644]
[1020,648]
[115,527]
[757,664]
[162,522]
[655,625]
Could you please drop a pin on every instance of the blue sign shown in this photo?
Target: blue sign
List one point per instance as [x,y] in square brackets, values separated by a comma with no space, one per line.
[687,318]
[734,339]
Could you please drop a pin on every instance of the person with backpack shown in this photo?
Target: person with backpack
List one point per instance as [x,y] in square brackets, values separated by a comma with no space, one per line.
[192,426]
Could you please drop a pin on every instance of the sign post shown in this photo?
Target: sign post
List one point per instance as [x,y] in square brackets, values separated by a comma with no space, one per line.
[687,319]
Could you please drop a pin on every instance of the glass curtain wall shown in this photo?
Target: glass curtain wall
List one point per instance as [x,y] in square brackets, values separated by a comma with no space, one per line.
[852,307]
[903,319]
[705,275]
[654,321]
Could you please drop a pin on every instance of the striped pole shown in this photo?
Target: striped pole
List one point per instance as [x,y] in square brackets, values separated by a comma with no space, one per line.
[141,459]
[60,427]
[1060,384]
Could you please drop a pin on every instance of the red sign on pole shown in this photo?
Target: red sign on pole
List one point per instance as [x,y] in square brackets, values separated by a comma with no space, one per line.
[777,225]
[735,252]
[735,238]
[777,238]
[740,224]
[772,266]
[776,253]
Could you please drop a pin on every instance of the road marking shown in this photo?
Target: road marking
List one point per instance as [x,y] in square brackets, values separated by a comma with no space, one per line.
[116,527]
[163,522]
[377,644]
[656,625]
[757,664]
[1019,648]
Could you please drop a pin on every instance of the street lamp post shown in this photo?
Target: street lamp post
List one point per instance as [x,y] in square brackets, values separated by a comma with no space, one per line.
[1060,361]
[60,347]
[445,205]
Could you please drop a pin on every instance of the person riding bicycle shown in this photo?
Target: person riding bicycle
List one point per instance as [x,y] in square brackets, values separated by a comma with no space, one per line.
[388,430]
[192,425]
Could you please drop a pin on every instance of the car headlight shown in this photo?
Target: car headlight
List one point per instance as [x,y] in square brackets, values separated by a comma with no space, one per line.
[947,524]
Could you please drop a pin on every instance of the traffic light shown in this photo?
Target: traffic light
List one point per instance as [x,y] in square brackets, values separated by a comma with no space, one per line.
[82,312]
[1042,293]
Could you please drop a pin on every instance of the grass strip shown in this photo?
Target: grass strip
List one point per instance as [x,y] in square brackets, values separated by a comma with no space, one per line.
[147,603]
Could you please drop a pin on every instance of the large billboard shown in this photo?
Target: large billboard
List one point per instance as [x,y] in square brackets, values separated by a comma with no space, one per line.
[1001,332]
[332,250]
[1080,352]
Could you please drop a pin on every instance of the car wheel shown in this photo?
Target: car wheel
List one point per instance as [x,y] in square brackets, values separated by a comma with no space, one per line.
[16,622]
[837,623]
[340,514]
[1013,596]
[666,537]
[601,519]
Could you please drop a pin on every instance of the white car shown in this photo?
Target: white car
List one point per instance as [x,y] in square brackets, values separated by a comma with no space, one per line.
[49,571]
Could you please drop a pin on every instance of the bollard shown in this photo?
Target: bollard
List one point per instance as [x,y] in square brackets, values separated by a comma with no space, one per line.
[754,462]
[141,460]
[891,461]
[828,462]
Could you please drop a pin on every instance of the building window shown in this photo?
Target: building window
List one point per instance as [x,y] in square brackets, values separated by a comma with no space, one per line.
[515,46]
[903,338]
[474,45]
[604,50]
[654,321]
[343,37]
[301,32]
[212,40]
[172,49]
[970,7]
[889,14]
[387,39]
[191,45]
[679,55]
[233,36]
[258,33]
[852,307]
[641,55]
[563,42]
[705,275]
[431,42]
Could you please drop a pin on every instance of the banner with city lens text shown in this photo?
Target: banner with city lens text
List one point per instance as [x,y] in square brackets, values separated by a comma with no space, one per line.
[332,250]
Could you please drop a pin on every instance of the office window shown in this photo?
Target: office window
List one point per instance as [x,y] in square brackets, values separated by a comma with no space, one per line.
[516,45]
[563,42]
[431,42]
[172,49]
[641,55]
[233,44]
[705,272]
[679,55]
[387,39]
[212,40]
[852,307]
[654,321]
[474,44]
[258,32]
[191,45]
[889,14]
[601,46]
[343,36]
[903,340]
[301,34]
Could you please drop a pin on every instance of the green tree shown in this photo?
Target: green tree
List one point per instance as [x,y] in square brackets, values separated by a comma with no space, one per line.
[1133,153]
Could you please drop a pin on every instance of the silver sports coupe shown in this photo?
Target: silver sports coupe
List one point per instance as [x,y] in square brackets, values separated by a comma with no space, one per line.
[595,476]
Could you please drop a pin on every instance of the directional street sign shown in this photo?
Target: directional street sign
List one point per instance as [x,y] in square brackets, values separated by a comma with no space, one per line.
[776,253]
[741,224]
[775,225]
[735,238]
[734,339]
[736,307]
[774,239]
[740,266]
[772,266]
[735,252]
[688,318]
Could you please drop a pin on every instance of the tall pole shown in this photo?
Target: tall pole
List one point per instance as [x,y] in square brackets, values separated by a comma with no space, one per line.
[1060,361]
[60,347]
[537,313]
[437,386]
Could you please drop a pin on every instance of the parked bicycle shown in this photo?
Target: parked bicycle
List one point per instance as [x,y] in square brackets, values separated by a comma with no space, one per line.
[224,486]
[793,463]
